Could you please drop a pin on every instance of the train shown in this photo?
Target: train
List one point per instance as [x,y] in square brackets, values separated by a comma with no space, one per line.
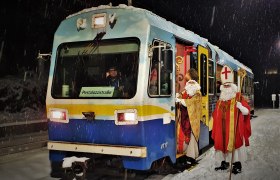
[136,122]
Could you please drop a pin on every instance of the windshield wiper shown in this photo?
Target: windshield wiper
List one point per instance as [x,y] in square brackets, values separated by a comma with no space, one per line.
[95,44]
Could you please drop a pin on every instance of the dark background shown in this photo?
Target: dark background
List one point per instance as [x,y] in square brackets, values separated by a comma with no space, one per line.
[249,30]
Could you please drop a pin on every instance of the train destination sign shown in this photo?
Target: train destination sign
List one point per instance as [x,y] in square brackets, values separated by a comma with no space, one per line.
[97,92]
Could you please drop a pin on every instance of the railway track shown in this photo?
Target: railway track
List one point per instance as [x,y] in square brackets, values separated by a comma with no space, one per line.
[22,127]
[25,142]
[111,168]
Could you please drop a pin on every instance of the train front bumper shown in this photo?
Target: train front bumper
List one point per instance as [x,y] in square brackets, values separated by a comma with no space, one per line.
[130,151]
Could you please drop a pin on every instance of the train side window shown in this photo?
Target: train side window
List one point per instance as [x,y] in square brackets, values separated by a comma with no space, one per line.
[244,86]
[160,79]
[203,74]
[252,86]
[235,78]
[154,77]
[193,60]
[211,76]
[166,71]
[248,87]
[218,78]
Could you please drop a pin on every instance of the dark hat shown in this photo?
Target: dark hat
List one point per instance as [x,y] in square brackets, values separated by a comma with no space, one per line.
[112,68]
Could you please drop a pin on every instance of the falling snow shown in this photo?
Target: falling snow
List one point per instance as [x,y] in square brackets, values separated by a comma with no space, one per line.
[213,16]
[263,153]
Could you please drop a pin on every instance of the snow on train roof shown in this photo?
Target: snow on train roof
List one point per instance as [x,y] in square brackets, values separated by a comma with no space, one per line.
[224,55]
[168,26]
[155,21]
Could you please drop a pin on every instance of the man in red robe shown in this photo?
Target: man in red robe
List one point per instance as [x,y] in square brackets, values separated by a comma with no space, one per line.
[188,126]
[226,126]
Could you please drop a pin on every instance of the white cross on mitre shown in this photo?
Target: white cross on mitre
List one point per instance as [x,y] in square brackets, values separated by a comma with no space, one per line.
[227,75]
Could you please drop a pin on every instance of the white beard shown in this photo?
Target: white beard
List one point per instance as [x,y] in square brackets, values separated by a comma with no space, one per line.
[228,93]
[192,88]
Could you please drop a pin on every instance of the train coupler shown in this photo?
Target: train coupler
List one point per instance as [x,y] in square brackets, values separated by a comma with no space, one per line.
[75,168]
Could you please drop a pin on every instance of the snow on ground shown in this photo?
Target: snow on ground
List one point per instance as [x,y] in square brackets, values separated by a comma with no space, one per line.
[29,165]
[25,115]
[21,100]
[263,154]
[262,163]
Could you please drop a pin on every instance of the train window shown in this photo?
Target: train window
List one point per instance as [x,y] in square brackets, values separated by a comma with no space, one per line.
[211,76]
[244,86]
[165,72]
[160,79]
[252,86]
[211,68]
[248,87]
[193,60]
[235,78]
[203,74]
[103,69]
[154,78]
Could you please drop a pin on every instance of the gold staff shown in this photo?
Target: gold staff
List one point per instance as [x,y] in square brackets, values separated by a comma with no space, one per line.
[242,73]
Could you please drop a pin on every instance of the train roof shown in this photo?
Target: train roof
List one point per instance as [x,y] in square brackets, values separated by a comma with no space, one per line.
[168,26]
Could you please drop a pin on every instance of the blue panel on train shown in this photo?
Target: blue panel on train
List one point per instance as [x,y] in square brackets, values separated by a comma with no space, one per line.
[204,136]
[153,134]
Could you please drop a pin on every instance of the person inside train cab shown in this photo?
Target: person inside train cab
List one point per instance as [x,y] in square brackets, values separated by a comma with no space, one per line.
[154,79]
[114,80]
[189,124]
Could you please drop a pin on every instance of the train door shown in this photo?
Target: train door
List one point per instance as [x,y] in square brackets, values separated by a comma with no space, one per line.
[182,66]
[187,56]
[202,67]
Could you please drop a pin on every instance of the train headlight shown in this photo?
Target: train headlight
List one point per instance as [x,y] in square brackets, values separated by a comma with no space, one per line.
[126,117]
[130,116]
[99,21]
[59,115]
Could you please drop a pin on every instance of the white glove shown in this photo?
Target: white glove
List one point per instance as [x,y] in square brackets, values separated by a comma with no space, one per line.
[243,109]
[177,95]
[177,100]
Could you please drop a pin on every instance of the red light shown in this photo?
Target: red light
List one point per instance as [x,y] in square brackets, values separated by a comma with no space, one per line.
[63,115]
[58,115]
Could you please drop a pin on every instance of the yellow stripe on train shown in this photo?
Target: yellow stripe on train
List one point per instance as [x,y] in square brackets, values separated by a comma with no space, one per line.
[108,110]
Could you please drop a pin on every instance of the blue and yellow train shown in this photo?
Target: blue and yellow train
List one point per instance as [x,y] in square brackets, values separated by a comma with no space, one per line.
[102,97]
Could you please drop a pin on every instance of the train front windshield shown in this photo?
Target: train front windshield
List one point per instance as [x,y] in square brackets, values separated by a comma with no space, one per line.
[96,69]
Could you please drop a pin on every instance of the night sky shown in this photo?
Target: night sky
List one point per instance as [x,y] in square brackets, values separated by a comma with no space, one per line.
[249,30]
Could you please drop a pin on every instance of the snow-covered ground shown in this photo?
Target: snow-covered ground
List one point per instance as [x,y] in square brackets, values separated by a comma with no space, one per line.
[263,154]
[29,165]
[263,157]
[21,101]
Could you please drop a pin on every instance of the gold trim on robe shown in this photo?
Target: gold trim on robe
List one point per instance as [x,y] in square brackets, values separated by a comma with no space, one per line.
[231,126]
[194,112]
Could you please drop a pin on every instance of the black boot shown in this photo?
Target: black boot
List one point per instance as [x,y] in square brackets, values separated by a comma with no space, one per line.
[237,167]
[224,166]
[191,161]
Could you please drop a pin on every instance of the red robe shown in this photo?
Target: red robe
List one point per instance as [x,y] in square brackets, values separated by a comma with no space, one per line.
[184,134]
[223,129]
